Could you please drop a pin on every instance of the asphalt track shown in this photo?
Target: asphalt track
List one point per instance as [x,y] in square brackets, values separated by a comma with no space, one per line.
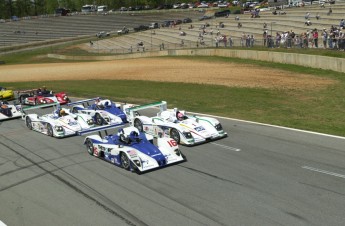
[259,175]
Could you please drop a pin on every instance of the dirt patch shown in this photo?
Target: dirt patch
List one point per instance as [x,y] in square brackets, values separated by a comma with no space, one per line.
[171,70]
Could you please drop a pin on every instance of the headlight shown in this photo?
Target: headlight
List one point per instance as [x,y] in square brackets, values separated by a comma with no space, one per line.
[43,101]
[188,135]
[65,97]
[58,128]
[90,122]
[177,152]
[137,162]
[218,127]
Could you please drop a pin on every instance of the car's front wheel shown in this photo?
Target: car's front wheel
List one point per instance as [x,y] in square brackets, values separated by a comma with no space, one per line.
[174,134]
[50,130]
[98,119]
[28,123]
[125,163]
[139,125]
[89,146]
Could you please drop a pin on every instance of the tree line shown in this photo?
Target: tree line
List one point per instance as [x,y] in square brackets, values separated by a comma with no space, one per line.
[24,8]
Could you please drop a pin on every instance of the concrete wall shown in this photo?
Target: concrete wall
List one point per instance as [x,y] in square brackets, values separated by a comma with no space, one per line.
[313,61]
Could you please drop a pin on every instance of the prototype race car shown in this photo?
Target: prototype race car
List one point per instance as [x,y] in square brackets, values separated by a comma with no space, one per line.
[9,111]
[102,111]
[38,96]
[6,94]
[60,123]
[133,150]
[184,129]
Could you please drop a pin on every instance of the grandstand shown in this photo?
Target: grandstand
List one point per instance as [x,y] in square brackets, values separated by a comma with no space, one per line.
[31,30]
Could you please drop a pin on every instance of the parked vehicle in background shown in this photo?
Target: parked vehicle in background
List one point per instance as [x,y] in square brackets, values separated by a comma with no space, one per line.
[222,13]
[88,8]
[123,31]
[62,11]
[153,25]
[187,20]
[102,8]
[102,34]
[141,28]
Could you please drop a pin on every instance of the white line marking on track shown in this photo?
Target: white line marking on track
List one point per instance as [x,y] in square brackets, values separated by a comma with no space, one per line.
[2,223]
[323,171]
[227,147]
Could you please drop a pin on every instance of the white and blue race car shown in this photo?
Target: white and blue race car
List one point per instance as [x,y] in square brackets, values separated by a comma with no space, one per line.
[184,129]
[103,112]
[9,111]
[134,151]
[60,123]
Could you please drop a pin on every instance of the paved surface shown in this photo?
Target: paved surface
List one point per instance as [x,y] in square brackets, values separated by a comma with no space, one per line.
[259,175]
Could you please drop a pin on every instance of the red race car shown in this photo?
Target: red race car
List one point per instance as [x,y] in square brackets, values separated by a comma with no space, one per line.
[41,96]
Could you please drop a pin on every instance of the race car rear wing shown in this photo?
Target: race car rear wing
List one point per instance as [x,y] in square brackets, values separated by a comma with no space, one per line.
[25,109]
[99,129]
[83,101]
[131,112]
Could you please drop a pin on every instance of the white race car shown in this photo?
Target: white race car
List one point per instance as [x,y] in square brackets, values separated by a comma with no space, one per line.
[9,111]
[60,123]
[102,111]
[184,129]
[133,150]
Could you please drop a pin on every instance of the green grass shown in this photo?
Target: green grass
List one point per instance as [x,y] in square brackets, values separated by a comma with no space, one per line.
[316,110]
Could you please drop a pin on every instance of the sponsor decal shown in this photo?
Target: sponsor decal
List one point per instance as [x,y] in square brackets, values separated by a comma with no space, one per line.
[132,153]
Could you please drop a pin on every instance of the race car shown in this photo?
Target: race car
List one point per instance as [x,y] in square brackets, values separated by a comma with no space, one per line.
[133,150]
[42,96]
[184,129]
[9,111]
[60,123]
[6,94]
[102,111]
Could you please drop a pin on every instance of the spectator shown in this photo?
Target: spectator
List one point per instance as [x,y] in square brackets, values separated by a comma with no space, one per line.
[307,15]
[315,37]
[317,16]
[278,39]
[324,38]
[252,40]
[230,41]
[264,37]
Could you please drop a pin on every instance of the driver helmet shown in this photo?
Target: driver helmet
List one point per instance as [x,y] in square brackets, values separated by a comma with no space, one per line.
[62,112]
[180,116]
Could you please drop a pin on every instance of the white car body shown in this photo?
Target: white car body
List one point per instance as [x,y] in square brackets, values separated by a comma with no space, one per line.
[9,111]
[57,126]
[190,131]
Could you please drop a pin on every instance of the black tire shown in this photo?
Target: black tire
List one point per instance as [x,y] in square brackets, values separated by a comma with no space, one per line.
[89,146]
[125,163]
[28,123]
[74,110]
[50,130]
[36,101]
[22,98]
[174,134]
[139,125]
[98,119]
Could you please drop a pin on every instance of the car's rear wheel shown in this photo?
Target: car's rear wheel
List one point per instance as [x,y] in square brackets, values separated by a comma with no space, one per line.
[125,161]
[28,123]
[99,120]
[50,130]
[89,146]
[174,134]
[139,125]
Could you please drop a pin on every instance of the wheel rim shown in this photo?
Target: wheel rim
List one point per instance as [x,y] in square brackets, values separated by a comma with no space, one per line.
[175,135]
[124,161]
[50,130]
[28,123]
[99,120]
[139,125]
[89,147]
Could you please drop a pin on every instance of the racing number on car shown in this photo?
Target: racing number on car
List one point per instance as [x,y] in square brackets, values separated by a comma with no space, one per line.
[172,143]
